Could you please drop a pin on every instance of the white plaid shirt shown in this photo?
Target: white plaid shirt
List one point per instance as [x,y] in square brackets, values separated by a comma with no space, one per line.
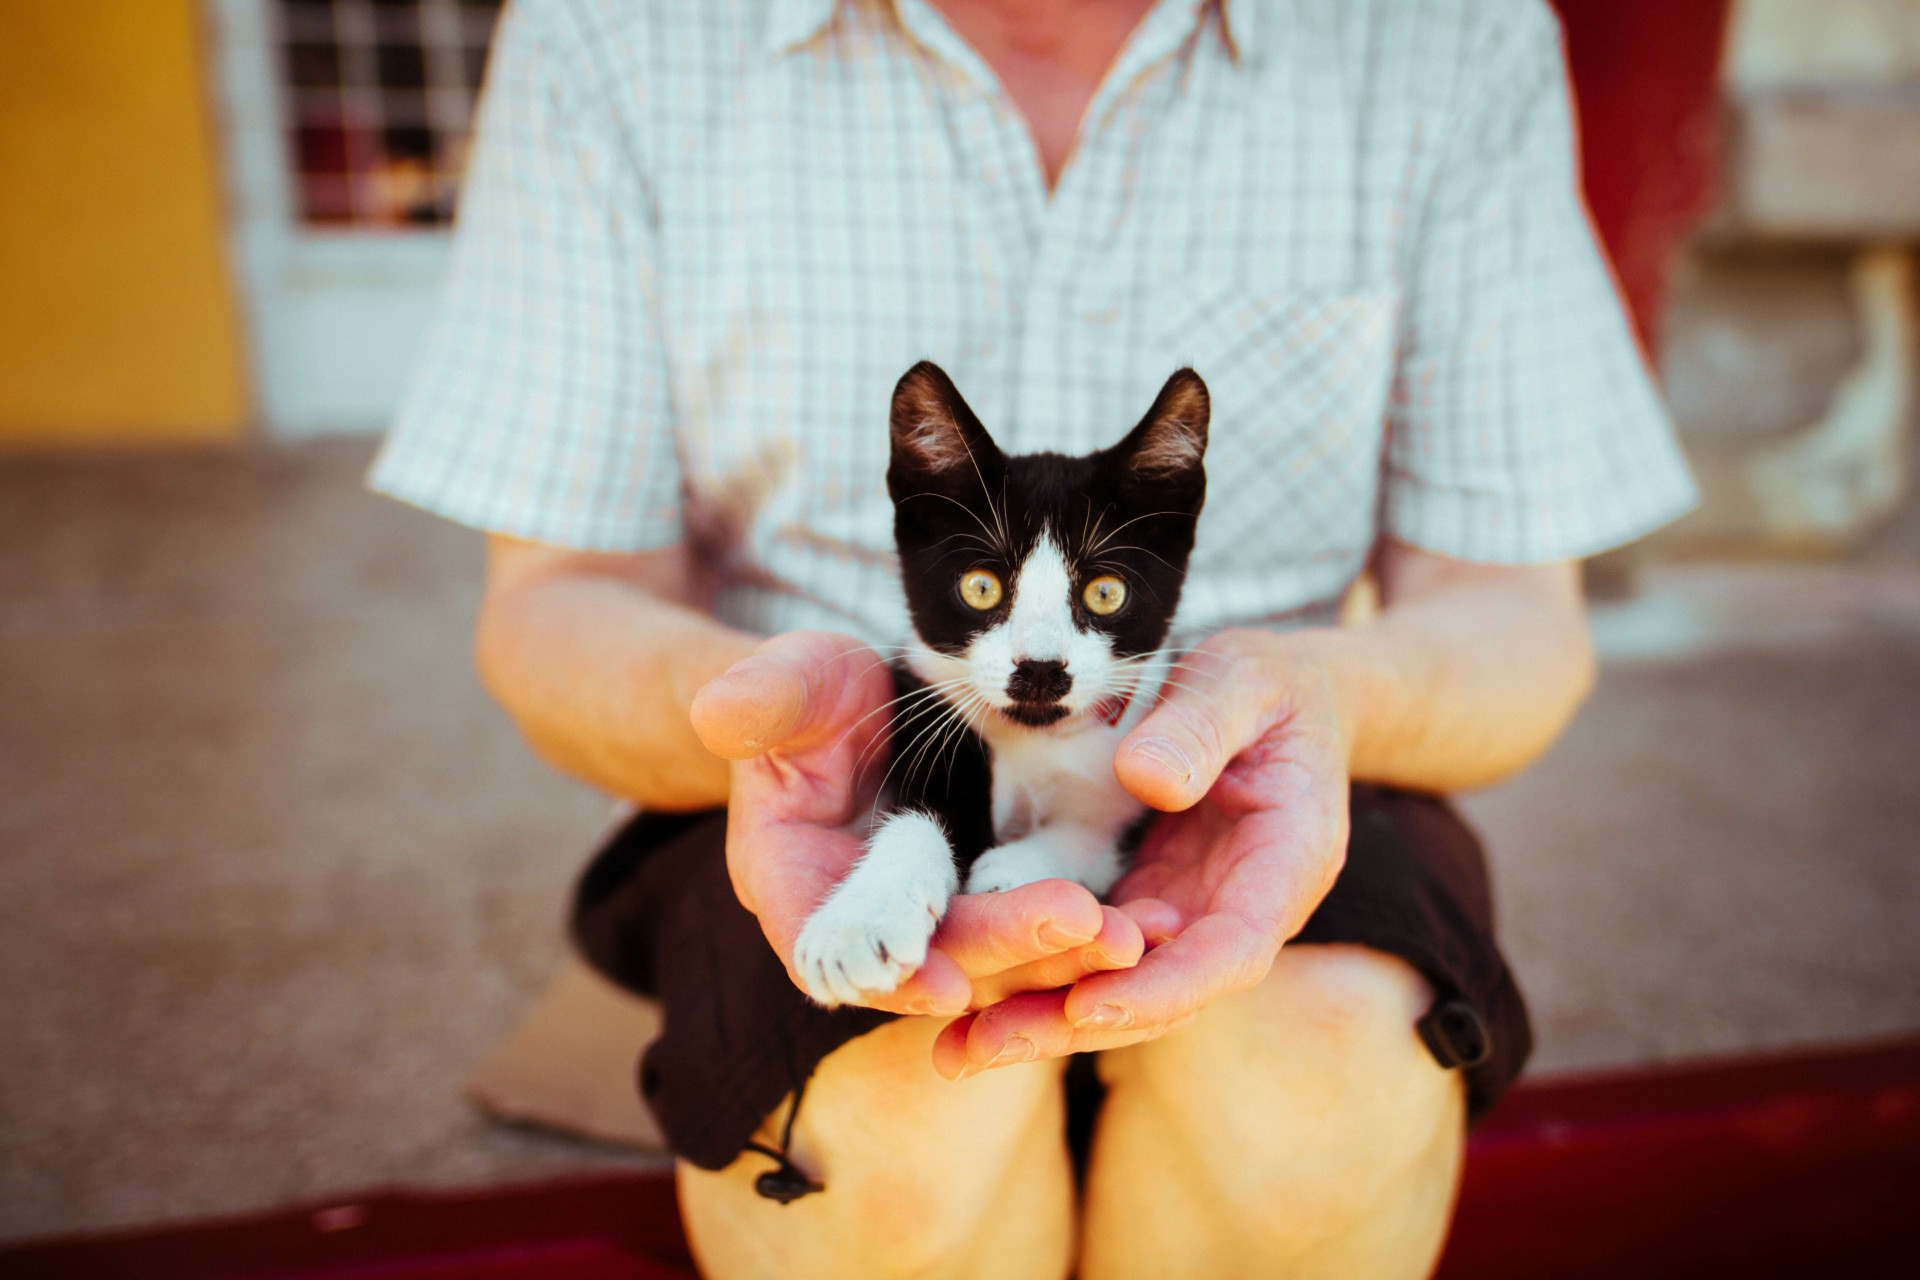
[700,240]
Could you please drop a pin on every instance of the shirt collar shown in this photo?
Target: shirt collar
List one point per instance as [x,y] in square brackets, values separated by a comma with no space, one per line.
[1240,25]
[791,23]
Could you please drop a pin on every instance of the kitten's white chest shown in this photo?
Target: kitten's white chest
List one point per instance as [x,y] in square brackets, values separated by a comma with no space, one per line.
[1046,777]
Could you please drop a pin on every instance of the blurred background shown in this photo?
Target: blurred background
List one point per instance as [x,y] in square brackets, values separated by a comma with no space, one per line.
[274,874]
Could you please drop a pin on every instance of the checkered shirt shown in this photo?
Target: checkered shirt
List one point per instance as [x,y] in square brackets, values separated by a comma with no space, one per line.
[700,240]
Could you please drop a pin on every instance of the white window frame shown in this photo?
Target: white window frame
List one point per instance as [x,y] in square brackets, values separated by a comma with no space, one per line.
[334,317]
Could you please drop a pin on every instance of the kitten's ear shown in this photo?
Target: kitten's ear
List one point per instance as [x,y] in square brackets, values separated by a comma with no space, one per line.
[934,432]
[1170,443]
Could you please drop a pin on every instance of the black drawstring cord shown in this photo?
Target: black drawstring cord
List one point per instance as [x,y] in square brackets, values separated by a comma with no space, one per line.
[789,1182]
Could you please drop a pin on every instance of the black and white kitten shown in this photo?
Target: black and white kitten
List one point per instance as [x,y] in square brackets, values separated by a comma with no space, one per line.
[1041,588]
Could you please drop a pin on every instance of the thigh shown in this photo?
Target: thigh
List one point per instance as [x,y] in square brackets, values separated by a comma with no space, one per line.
[924,1177]
[1296,1129]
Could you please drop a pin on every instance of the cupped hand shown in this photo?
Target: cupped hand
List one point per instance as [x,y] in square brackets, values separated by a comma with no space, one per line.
[1247,754]
[805,720]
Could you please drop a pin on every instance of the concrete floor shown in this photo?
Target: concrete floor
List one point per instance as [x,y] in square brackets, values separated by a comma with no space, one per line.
[273,873]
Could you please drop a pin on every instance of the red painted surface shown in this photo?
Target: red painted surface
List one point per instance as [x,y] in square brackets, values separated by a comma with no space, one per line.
[1799,1166]
[1646,82]
[609,1227]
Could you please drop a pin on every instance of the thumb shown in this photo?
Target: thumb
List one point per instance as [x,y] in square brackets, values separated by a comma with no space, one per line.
[1217,707]
[795,690]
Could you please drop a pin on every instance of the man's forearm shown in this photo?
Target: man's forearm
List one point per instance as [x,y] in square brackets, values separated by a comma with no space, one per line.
[597,661]
[1466,676]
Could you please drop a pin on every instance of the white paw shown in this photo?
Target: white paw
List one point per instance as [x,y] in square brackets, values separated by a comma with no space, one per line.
[1064,852]
[871,933]
[1011,865]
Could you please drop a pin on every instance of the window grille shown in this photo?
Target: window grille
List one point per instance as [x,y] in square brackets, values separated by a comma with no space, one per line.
[380,99]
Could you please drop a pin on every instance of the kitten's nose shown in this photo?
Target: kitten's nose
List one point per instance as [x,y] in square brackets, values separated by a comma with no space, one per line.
[1039,681]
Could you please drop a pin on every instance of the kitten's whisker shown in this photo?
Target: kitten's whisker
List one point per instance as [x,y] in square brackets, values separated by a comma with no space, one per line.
[1201,694]
[1096,548]
[934,730]
[1143,550]
[1006,543]
[954,736]
[971,537]
[925,691]
[996,540]
[949,719]
[899,757]
[1217,678]
[936,715]
[904,718]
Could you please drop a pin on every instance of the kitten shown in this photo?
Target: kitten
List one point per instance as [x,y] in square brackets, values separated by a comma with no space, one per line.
[1041,588]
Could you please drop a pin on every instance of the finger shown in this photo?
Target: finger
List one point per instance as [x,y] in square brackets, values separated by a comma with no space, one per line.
[1157,921]
[797,689]
[991,932]
[937,989]
[1215,706]
[1215,955]
[1028,1029]
[950,1047]
[1119,945]
[1022,1028]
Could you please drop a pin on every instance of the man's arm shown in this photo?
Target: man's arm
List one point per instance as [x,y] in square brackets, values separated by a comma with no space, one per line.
[597,658]
[1467,674]
[1471,671]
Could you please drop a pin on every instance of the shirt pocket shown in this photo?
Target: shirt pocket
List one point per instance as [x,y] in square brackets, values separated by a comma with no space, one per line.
[1299,383]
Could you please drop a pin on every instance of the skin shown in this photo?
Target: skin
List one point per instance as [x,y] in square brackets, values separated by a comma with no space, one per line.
[1050,58]
[1270,1112]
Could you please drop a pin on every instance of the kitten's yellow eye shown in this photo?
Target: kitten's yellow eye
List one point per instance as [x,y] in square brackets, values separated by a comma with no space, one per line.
[1105,595]
[980,588]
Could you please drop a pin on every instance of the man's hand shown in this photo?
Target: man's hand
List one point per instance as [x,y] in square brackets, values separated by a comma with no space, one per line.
[1248,755]
[805,719]
[1469,672]
[1466,676]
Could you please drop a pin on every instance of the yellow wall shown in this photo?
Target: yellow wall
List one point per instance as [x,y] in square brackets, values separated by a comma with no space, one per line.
[117,317]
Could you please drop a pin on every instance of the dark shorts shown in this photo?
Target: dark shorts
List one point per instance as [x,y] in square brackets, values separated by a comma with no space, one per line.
[656,913]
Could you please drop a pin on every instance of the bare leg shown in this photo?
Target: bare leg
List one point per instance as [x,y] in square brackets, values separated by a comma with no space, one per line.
[924,1177]
[1298,1129]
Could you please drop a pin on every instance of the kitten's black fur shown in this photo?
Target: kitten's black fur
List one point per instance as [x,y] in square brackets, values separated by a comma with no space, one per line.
[1129,510]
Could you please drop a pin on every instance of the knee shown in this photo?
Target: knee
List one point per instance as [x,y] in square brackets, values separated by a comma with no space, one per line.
[917,1158]
[1309,1098]
[918,1171]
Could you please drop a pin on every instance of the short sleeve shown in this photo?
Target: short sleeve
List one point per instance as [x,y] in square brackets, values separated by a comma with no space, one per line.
[1523,425]
[540,407]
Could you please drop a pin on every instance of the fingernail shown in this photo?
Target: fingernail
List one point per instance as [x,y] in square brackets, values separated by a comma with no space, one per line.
[1164,752]
[1106,1017]
[1055,938]
[1016,1049]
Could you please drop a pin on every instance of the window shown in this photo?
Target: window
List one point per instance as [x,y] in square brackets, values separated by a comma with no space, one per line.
[379,99]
